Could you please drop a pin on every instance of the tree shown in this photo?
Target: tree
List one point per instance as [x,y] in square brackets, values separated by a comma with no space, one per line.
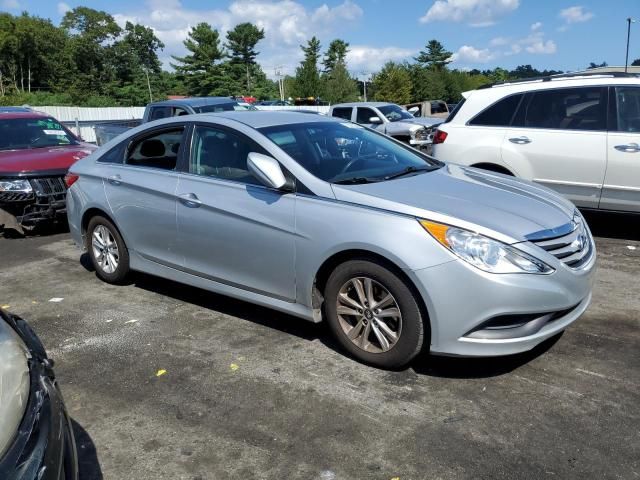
[435,56]
[338,85]
[392,84]
[336,53]
[307,75]
[202,70]
[636,63]
[241,42]
[597,65]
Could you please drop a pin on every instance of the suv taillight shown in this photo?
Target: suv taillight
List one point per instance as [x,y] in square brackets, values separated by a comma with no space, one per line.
[70,179]
[439,137]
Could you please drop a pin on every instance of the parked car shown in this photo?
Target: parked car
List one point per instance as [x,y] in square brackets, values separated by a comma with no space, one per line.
[36,435]
[325,219]
[578,134]
[170,108]
[388,118]
[273,103]
[428,109]
[35,153]
[23,109]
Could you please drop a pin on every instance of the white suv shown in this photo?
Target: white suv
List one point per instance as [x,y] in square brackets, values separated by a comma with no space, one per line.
[578,134]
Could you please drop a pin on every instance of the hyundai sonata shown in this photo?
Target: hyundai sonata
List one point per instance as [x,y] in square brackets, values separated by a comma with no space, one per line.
[327,220]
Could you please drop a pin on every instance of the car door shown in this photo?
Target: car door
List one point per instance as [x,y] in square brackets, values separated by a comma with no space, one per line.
[364,116]
[141,193]
[559,138]
[621,189]
[231,228]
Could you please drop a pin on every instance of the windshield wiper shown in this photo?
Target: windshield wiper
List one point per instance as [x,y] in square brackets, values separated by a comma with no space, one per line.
[356,181]
[407,171]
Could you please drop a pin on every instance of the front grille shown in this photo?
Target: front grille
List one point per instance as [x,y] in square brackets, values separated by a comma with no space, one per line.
[574,248]
[46,187]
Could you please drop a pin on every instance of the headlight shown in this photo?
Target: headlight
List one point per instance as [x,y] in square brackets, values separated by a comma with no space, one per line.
[420,134]
[15,186]
[483,252]
[14,384]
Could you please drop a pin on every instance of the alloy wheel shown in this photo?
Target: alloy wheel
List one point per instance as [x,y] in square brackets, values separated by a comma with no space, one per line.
[105,249]
[369,315]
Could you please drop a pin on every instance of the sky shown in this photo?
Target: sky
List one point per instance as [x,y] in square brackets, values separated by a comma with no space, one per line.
[548,34]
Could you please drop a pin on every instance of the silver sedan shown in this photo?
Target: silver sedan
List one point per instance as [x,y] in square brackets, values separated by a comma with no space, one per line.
[327,220]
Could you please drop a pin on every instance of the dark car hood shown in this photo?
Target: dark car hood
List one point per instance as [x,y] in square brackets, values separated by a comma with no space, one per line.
[36,160]
[503,207]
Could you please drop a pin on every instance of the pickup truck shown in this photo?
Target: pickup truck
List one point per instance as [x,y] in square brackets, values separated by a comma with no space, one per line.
[169,108]
[388,118]
[428,109]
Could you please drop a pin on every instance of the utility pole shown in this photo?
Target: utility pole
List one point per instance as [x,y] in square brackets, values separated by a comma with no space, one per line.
[626,61]
[279,76]
[146,72]
[364,84]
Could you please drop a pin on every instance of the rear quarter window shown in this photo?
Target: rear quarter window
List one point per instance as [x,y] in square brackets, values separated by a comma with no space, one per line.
[499,114]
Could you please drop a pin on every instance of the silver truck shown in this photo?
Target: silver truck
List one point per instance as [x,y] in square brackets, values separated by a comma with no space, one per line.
[169,108]
[390,119]
[429,109]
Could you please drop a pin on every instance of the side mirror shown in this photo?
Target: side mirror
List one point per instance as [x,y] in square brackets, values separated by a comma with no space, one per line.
[268,171]
[375,120]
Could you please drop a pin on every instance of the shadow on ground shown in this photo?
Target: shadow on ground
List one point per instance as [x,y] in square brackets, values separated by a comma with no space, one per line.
[614,225]
[88,464]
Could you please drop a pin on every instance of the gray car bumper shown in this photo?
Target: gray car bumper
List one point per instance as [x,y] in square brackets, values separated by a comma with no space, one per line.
[474,313]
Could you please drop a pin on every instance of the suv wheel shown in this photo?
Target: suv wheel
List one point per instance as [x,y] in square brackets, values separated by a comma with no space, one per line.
[373,314]
[107,250]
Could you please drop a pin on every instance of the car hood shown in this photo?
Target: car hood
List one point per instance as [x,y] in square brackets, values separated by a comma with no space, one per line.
[427,121]
[33,161]
[493,204]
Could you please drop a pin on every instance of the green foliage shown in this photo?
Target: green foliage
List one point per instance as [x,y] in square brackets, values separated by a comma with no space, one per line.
[307,82]
[392,84]
[636,63]
[241,42]
[336,53]
[597,65]
[338,85]
[435,56]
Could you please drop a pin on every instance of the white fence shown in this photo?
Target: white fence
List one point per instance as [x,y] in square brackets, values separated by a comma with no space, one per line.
[81,120]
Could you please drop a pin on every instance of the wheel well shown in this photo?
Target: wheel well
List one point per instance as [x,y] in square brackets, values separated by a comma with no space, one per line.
[89,214]
[332,262]
[492,167]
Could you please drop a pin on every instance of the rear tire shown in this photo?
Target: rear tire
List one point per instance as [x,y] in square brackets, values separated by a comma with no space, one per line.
[107,250]
[374,314]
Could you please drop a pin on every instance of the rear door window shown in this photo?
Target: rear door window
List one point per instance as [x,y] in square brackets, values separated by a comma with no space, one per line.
[628,109]
[499,114]
[342,112]
[158,150]
[583,108]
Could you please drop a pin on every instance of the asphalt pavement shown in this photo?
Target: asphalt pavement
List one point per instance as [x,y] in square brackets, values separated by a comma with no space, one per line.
[166,381]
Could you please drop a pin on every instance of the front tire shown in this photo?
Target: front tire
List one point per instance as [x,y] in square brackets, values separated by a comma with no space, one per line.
[107,250]
[373,313]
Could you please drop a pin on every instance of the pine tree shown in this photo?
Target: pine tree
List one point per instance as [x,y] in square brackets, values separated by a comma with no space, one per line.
[392,84]
[307,75]
[337,52]
[435,56]
[241,42]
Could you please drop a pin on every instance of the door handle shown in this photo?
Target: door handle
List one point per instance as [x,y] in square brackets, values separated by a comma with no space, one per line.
[190,200]
[520,140]
[115,180]
[628,148]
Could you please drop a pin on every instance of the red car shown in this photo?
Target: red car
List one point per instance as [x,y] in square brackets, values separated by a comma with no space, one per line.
[36,152]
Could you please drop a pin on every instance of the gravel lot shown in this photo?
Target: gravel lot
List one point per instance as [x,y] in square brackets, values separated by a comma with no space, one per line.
[252,393]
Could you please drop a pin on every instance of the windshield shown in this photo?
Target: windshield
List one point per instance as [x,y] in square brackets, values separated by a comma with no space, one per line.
[395,113]
[340,152]
[25,133]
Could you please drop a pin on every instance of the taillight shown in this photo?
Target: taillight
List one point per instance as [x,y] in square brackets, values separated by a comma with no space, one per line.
[70,179]
[439,137]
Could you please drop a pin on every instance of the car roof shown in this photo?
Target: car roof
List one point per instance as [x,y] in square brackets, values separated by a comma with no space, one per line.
[15,109]
[15,115]
[259,119]
[363,104]
[196,101]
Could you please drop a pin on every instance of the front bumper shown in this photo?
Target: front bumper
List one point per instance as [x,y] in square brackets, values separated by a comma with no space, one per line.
[462,300]
[44,446]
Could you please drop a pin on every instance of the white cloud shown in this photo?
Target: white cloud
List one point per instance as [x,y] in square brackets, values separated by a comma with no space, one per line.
[536,26]
[543,47]
[63,8]
[535,43]
[469,54]
[10,4]
[371,59]
[575,14]
[477,13]
[286,24]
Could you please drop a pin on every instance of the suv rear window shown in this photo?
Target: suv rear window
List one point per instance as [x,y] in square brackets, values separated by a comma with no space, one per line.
[342,112]
[499,114]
